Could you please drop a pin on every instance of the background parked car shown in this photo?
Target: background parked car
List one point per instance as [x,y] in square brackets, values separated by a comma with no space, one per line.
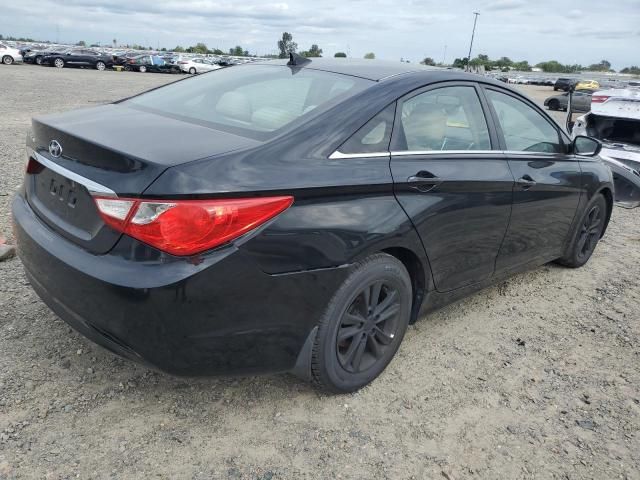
[562,84]
[35,56]
[125,58]
[587,85]
[581,101]
[197,65]
[9,55]
[152,63]
[78,58]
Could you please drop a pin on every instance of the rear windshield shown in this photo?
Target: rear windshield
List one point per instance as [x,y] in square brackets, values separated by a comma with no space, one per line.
[256,101]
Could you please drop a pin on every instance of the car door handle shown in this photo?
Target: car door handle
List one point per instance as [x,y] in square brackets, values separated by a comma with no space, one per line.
[424,181]
[526,182]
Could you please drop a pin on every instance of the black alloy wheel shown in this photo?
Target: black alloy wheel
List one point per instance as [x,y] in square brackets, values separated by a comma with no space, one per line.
[587,234]
[368,327]
[363,326]
[590,232]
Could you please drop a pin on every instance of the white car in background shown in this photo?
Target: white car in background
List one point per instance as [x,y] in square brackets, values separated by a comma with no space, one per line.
[614,119]
[197,65]
[9,55]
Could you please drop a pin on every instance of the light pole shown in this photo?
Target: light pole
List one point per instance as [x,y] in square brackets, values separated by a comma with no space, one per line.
[473,33]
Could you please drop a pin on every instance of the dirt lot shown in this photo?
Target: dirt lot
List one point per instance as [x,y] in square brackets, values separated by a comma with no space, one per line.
[537,377]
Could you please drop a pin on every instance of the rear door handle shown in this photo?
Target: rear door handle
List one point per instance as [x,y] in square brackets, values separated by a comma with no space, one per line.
[424,181]
[526,182]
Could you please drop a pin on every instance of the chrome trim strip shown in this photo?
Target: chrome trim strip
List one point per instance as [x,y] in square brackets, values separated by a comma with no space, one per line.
[337,155]
[93,187]
[402,153]
[523,153]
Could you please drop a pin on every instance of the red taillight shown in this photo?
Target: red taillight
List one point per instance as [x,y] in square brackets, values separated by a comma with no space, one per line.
[187,227]
[33,166]
[599,98]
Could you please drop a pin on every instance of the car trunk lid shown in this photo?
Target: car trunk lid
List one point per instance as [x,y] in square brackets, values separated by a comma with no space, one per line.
[110,150]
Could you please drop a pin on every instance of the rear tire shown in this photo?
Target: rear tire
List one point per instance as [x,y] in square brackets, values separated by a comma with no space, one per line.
[363,326]
[58,63]
[7,59]
[142,69]
[587,234]
[554,105]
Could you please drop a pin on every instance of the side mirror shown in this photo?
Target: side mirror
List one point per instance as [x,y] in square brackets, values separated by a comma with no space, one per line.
[586,146]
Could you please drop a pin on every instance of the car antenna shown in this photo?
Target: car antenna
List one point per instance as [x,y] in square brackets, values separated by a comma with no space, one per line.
[296,60]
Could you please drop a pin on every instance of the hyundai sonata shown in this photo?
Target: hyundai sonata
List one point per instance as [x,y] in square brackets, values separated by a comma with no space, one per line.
[296,216]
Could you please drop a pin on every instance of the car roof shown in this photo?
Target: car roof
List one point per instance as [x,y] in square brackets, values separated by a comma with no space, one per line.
[375,70]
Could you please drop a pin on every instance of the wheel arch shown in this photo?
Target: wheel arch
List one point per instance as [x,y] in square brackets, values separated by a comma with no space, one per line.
[417,273]
[608,196]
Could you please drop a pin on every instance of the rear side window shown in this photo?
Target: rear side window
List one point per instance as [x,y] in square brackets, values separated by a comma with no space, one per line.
[373,137]
[251,100]
[448,118]
[524,129]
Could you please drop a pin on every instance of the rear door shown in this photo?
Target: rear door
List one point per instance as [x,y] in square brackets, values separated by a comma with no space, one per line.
[548,181]
[456,189]
[73,58]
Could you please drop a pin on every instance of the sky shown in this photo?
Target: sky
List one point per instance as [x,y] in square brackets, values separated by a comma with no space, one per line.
[584,31]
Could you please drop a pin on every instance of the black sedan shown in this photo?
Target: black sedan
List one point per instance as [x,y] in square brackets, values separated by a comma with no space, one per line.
[297,216]
[78,58]
[151,63]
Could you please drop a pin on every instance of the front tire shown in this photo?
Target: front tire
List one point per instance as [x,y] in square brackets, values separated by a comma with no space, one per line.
[554,105]
[100,66]
[58,63]
[587,234]
[7,59]
[142,69]
[192,71]
[363,326]
[38,60]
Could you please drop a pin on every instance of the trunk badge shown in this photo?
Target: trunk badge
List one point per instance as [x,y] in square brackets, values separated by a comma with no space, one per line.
[55,148]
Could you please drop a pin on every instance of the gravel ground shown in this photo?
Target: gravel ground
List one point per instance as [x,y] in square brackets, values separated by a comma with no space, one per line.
[537,377]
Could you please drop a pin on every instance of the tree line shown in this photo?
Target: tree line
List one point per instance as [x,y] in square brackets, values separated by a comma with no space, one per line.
[551,66]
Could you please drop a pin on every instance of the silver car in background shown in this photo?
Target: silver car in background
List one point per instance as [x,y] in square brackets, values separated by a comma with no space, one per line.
[9,55]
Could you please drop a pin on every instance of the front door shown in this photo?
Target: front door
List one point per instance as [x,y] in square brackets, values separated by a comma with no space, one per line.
[548,181]
[456,190]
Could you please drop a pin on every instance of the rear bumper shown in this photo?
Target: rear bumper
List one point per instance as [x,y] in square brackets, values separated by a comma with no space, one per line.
[213,314]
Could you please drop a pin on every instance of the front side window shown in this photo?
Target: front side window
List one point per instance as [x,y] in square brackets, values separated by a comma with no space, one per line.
[448,118]
[251,100]
[524,129]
